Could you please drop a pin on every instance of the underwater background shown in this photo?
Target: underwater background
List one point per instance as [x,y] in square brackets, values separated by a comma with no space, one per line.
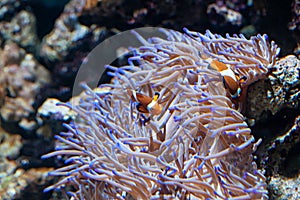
[44,42]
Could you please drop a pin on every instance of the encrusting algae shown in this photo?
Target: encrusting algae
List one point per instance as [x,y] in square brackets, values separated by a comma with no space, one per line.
[197,146]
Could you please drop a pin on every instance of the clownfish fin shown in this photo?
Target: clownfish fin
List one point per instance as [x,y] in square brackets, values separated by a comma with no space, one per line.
[141,108]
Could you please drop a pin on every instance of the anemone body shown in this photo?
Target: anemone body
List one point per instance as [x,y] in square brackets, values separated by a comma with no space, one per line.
[198,147]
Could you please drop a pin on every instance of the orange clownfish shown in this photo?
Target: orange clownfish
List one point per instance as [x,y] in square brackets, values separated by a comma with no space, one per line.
[230,79]
[146,104]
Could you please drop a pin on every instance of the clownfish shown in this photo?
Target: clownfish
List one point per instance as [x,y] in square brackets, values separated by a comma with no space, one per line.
[146,104]
[230,79]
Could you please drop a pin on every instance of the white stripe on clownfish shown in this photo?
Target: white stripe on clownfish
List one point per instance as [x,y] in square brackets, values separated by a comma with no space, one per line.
[230,79]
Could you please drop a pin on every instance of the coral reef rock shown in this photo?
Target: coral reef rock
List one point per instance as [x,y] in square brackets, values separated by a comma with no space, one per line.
[17,183]
[50,109]
[283,188]
[23,77]
[21,30]
[228,16]
[295,23]
[280,90]
[10,145]
[50,117]
[283,156]
[8,7]
[66,33]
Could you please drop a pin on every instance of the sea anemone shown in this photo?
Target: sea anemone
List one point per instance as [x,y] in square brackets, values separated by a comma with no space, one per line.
[199,145]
